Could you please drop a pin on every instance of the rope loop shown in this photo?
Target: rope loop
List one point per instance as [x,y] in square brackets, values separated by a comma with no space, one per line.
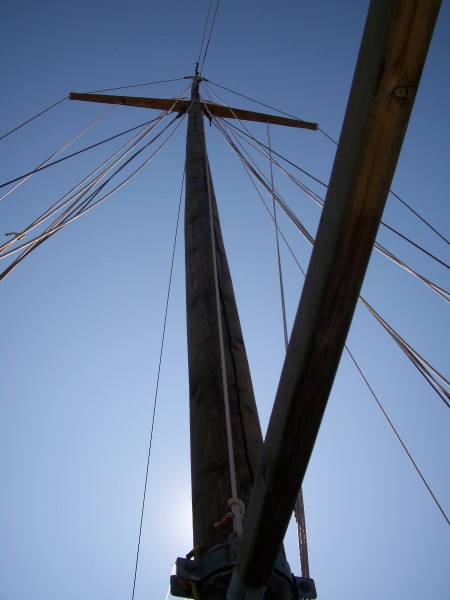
[238,511]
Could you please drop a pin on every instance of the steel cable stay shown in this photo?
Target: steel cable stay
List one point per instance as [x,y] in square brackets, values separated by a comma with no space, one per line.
[403,202]
[92,146]
[122,87]
[142,136]
[33,118]
[84,208]
[263,150]
[426,370]
[73,194]
[407,349]
[66,145]
[204,32]
[440,291]
[319,200]
[51,231]
[266,184]
[152,427]
[46,164]
[397,435]
[135,85]
[87,204]
[210,34]
[432,256]
[444,294]
[403,345]
[68,197]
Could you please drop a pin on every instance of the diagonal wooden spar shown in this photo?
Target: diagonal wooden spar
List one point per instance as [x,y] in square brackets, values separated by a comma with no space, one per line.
[182,106]
[392,55]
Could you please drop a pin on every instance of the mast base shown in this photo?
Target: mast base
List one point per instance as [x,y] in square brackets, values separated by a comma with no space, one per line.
[213,576]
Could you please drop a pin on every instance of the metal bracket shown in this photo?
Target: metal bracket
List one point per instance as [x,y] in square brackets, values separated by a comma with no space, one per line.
[306,588]
[218,558]
[222,558]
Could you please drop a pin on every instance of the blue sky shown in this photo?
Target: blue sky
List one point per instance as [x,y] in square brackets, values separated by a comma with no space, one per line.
[82,316]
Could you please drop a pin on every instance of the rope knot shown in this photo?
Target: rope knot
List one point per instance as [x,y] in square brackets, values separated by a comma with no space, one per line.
[237,502]
[238,512]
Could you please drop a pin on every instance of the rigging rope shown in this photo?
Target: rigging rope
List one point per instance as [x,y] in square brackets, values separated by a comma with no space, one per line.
[444,264]
[262,149]
[32,118]
[420,217]
[391,425]
[66,145]
[66,218]
[210,34]
[409,352]
[87,204]
[123,87]
[204,32]
[360,371]
[59,160]
[236,505]
[157,385]
[67,198]
[59,204]
[330,138]
[430,373]
[445,295]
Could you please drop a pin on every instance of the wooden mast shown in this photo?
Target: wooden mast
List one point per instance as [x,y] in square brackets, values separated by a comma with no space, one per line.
[208,576]
[210,467]
[209,456]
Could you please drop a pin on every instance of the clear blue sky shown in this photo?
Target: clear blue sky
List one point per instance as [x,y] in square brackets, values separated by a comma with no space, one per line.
[81,317]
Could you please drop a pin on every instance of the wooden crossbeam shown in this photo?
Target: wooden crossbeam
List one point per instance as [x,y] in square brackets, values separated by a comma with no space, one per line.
[175,105]
[247,115]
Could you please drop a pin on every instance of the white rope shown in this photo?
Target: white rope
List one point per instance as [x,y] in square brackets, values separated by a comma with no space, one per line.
[76,196]
[59,223]
[264,151]
[234,502]
[73,194]
[404,346]
[263,181]
[66,145]
[318,200]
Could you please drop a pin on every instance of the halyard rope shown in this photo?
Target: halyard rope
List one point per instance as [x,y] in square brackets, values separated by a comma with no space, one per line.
[234,503]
